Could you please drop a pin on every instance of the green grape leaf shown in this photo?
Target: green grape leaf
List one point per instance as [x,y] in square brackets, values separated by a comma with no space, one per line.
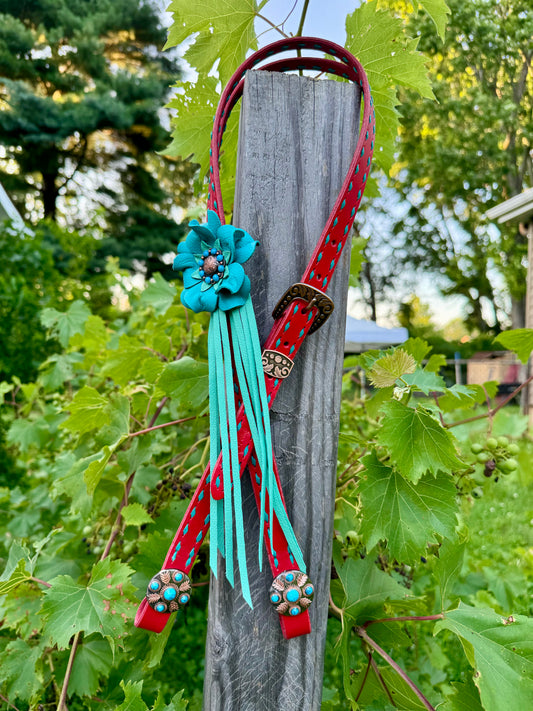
[374,404]
[26,434]
[366,588]
[64,324]
[103,605]
[448,567]
[195,107]
[159,294]
[438,10]
[4,389]
[95,470]
[186,381]
[417,443]
[18,670]
[501,652]
[225,32]
[128,362]
[158,644]
[465,697]
[357,258]
[418,348]
[17,551]
[93,660]
[456,397]
[405,515]
[387,121]
[88,411]
[177,703]
[118,427]
[135,515]
[55,371]
[133,700]
[386,370]
[425,381]
[377,39]
[520,341]
[435,362]
[373,697]
[18,575]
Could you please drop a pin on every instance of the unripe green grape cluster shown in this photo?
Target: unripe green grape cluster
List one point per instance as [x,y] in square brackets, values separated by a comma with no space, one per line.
[497,456]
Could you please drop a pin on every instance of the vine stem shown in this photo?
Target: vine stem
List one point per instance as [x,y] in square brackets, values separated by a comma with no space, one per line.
[165,424]
[492,412]
[62,706]
[302,19]
[381,680]
[364,678]
[397,668]
[408,618]
[275,27]
[41,582]
[336,610]
[8,702]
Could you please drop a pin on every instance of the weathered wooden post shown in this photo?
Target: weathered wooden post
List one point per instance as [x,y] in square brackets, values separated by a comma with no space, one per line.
[296,139]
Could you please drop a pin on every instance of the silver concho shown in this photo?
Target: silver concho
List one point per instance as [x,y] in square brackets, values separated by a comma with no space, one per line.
[169,590]
[291,593]
[276,364]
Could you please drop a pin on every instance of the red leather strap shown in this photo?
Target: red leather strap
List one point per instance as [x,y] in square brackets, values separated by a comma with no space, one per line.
[289,331]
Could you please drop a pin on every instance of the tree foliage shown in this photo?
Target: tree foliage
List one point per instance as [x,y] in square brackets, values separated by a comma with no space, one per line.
[470,150]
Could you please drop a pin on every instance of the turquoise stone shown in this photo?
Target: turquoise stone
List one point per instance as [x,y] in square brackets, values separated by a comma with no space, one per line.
[160,607]
[154,585]
[289,577]
[169,594]
[179,576]
[184,599]
[308,590]
[293,595]
[295,611]
[275,598]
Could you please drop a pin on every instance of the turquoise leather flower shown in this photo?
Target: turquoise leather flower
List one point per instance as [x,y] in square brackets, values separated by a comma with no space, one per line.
[211,258]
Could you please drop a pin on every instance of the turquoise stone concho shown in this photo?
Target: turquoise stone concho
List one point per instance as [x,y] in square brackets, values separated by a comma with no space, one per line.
[291,593]
[169,590]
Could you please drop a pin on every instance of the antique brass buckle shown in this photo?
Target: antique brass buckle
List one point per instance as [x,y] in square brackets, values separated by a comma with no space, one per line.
[316,298]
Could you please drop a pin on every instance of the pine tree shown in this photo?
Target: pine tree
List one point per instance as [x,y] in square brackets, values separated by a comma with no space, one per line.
[81,89]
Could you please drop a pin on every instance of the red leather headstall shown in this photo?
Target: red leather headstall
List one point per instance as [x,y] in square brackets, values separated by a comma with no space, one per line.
[301,310]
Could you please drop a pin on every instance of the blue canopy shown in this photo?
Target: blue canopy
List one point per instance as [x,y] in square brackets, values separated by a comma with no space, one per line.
[364,335]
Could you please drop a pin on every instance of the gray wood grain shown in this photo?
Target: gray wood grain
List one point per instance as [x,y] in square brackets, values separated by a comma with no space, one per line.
[296,140]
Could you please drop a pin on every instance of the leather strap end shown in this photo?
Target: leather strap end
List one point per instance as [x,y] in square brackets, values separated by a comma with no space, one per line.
[295,626]
[148,619]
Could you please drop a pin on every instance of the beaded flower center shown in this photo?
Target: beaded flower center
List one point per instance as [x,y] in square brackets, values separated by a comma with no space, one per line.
[212,265]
